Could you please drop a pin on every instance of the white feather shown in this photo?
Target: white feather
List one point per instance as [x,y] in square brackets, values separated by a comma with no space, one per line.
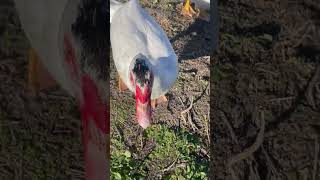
[133,32]
[114,6]
[41,21]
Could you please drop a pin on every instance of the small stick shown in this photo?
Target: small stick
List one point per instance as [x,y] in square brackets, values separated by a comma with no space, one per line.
[311,85]
[181,115]
[267,71]
[189,119]
[233,135]
[272,167]
[169,167]
[208,125]
[194,127]
[282,99]
[181,101]
[188,109]
[316,157]
[248,152]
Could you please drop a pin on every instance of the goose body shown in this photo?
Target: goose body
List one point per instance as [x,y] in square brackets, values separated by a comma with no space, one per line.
[42,30]
[114,6]
[202,4]
[202,9]
[57,33]
[134,33]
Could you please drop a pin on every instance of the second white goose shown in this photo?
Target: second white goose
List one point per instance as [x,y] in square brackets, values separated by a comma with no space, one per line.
[145,60]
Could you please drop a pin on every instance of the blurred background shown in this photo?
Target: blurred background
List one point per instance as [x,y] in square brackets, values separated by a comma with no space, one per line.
[266,98]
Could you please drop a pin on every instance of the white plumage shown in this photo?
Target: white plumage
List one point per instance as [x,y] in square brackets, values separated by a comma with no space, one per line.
[43,30]
[202,4]
[134,32]
[48,25]
[114,6]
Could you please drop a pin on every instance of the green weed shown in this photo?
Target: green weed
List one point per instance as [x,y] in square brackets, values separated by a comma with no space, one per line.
[176,156]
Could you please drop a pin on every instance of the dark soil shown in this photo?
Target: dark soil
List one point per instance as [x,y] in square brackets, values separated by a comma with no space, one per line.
[266,99]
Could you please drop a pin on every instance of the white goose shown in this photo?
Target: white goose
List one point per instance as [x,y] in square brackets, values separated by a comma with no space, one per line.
[114,6]
[203,7]
[73,49]
[145,60]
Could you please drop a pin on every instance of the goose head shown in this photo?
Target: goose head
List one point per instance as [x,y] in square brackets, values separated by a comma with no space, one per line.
[83,31]
[141,79]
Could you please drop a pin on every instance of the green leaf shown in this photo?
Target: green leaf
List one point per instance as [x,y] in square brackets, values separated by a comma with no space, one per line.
[127,154]
[117,175]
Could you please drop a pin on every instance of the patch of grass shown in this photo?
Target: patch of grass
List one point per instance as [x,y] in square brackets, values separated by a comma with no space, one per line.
[175,156]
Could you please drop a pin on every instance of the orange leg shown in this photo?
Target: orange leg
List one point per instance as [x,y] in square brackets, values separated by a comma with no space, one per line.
[38,77]
[155,102]
[187,10]
[122,85]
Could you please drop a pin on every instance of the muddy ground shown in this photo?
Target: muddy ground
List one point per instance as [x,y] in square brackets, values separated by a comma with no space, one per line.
[266,98]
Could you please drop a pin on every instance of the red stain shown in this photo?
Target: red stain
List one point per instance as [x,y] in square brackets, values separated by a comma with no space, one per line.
[92,106]
[92,109]
[143,95]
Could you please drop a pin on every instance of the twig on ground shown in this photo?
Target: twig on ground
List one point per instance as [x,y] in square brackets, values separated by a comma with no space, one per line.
[187,111]
[169,167]
[184,121]
[120,132]
[302,37]
[271,165]
[13,137]
[204,152]
[181,165]
[208,125]
[250,150]
[225,120]
[267,71]
[283,99]
[253,172]
[311,85]
[181,101]
[316,157]
[77,172]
